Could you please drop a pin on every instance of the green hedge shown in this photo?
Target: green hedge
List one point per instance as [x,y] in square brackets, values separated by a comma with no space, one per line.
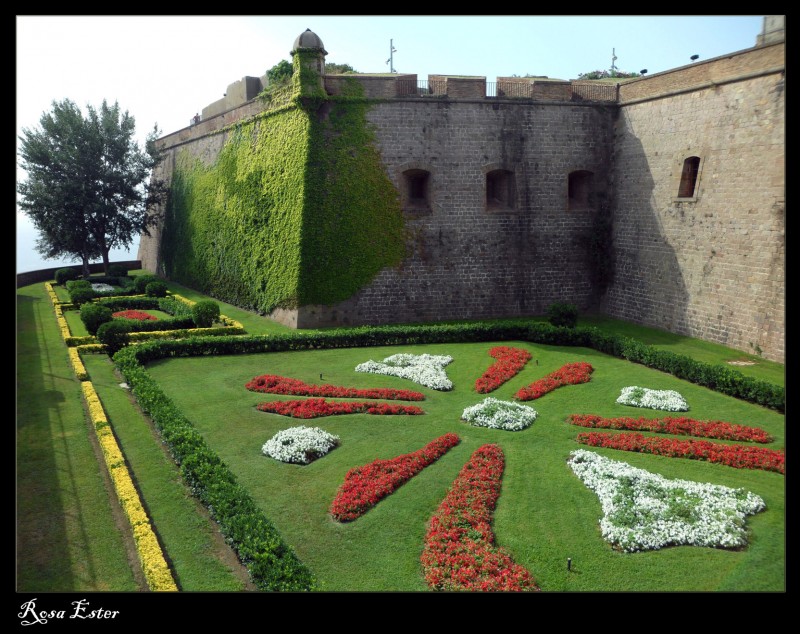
[273,565]
[137,302]
[715,377]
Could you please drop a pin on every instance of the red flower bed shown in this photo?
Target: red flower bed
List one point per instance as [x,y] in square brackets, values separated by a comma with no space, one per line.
[367,485]
[274,384]
[569,374]
[679,426]
[318,407]
[459,552]
[739,456]
[510,362]
[134,314]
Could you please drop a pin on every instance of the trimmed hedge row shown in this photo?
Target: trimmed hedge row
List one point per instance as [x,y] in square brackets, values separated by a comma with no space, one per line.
[715,377]
[273,565]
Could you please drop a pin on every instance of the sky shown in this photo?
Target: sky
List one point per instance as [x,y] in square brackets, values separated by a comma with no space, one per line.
[164,69]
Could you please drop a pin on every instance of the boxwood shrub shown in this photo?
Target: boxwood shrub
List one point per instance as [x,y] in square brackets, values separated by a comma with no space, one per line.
[141,282]
[205,313]
[62,276]
[156,289]
[562,314]
[94,315]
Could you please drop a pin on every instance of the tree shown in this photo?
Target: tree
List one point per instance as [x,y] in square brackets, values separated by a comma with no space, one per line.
[87,189]
[280,74]
[338,69]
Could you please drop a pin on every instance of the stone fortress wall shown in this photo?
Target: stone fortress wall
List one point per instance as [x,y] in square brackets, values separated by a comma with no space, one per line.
[499,193]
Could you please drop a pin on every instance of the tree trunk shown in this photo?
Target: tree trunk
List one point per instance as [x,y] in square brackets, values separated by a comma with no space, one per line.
[86,272]
[105,261]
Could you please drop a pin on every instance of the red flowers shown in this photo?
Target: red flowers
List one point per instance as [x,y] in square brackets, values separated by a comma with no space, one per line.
[273,384]
[367,485]
[318,407]
[739,456]
[134,314]
[459,552]
[510,362]
[569,374]
[679,426]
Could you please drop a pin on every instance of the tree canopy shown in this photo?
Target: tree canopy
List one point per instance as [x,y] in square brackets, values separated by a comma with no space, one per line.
[87,188]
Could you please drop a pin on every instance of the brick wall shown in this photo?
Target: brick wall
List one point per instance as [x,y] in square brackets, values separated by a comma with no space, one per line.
[715,70]
[375,86]
[465,262]
[713,267]
[461,87]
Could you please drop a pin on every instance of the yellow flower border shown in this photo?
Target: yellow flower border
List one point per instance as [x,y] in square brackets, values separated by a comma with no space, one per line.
[154,565]
[156,570]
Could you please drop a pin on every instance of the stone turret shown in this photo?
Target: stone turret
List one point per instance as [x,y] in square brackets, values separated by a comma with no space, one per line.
[310,52]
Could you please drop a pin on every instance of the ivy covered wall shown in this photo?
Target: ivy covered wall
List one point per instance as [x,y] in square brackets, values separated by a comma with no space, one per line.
[296,209]
[233,230]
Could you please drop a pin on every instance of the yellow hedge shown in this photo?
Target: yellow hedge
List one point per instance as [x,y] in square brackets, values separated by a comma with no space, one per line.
[156,571]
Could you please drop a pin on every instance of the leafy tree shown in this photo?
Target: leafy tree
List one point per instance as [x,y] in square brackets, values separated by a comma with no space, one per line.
[338,69]
[280,74]
[87,188]
[606,74]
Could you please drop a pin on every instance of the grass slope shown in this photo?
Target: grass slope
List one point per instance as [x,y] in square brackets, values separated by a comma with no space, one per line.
[67,539]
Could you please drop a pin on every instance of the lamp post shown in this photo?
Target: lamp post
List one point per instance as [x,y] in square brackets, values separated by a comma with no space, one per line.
[390,61]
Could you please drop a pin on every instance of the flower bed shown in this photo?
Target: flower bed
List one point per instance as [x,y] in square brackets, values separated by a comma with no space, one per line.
[738,456]
[134,314]
[103,288]
[510,362]
[425,369]
[274,384]
[680,426]
[300,445]
[318,407]
[367,485]
[667,400]
[497,414]
[568,374]
[459,551]
[645,511]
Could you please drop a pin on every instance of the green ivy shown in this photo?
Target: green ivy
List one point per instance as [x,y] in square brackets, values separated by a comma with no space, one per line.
[297,209]
[353,224]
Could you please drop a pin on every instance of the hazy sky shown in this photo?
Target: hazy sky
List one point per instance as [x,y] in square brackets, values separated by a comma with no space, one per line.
[164,69]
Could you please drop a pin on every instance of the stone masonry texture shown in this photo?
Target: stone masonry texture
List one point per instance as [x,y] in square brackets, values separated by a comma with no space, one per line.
[709,266]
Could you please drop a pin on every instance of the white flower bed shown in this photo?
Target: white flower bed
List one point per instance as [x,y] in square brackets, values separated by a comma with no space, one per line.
[425,369]
[667,400]
[646,511]
[102,288]
[497,414]
[300,445]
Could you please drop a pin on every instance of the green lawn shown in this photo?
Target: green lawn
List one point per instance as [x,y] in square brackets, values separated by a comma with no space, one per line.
[190,540]
[545,514]
[68,540]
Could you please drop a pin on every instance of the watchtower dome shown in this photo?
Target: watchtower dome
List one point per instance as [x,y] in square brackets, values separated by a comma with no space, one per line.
[308,46]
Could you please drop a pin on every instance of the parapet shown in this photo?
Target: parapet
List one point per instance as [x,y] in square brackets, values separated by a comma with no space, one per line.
[238,92]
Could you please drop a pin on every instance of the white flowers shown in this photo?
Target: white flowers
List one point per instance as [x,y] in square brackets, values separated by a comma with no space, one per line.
[668,400]
[645,511]
[497,414]
[425,369]
[102,288]
[300,445]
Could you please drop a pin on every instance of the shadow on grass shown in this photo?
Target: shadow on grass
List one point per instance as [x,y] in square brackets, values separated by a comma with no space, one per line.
[53,538]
